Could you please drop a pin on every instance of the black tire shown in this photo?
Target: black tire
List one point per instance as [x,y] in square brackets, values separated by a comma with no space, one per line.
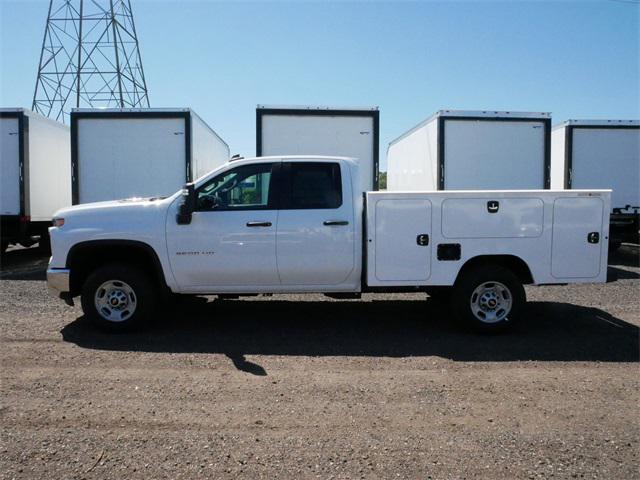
[492,291]
[44,243]
[131,288]
[614,246]
[439,294]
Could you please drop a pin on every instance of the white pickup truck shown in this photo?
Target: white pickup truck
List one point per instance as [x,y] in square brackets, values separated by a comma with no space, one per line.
[302,224]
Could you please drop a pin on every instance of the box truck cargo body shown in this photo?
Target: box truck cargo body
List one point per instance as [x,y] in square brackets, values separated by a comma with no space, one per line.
[602,154]
[345,132]
[35,174]
[123,153]
[469,150]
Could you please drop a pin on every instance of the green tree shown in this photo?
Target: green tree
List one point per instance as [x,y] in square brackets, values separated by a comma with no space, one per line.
[382,181]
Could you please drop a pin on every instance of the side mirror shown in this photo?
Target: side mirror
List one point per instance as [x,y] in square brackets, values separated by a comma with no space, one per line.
[188,205]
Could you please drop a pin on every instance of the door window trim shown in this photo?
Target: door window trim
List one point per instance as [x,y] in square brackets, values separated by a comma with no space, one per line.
[284,185]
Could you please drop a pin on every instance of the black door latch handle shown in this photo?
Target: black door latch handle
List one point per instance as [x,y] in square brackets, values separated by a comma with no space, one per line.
[593,237]
[422,239]
[332,223]
[258,224]
[493,206]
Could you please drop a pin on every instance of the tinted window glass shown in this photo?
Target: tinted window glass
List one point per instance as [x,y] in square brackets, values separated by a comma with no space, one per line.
[314,185]
[243,188]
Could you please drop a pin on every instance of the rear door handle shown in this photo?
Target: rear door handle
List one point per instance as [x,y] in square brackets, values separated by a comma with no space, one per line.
[335,223]
[258,224]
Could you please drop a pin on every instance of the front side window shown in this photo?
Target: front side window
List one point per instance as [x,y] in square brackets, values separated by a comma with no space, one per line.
[242,188]
[314,185]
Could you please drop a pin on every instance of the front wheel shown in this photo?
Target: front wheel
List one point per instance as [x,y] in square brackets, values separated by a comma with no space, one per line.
[118,297]
[489,298]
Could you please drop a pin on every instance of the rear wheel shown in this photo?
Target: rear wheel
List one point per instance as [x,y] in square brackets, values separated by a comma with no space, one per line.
[118,297]
[490,298]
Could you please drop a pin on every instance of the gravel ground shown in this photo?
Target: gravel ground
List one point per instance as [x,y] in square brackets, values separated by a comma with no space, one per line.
[307,387]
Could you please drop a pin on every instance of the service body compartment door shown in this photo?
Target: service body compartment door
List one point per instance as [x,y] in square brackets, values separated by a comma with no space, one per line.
[489,218]
[10,166]
[402,236]
[578,237]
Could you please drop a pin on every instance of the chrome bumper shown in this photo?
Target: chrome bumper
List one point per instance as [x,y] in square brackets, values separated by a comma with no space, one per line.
[58,280]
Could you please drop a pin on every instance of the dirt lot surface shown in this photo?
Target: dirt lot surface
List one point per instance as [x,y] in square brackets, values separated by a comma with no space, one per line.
[306,387]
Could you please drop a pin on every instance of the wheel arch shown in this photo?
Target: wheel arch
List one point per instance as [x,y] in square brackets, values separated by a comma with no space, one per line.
[85,257]
[512,262]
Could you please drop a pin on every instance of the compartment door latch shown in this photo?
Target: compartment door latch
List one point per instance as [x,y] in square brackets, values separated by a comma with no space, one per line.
[593,237]
[422,240]
[493,206]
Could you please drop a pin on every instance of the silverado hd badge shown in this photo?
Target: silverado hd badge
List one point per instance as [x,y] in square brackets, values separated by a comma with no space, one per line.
[196,253]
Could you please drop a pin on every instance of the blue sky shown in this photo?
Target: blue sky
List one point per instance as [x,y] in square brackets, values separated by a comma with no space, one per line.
[576,59]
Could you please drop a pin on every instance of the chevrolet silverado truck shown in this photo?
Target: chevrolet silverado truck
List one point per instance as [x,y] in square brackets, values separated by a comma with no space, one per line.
[302,224]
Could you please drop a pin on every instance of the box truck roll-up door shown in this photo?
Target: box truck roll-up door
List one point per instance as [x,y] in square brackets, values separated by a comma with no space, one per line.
[345,136]
[130,157]
[494,155]
[607,158]
[10,166]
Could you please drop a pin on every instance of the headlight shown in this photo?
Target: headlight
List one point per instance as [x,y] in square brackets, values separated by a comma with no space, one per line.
[58,222]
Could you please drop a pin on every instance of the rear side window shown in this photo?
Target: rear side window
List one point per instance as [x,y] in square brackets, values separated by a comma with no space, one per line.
[313,185]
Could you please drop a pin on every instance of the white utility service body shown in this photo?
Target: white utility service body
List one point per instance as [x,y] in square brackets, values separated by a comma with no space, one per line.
[35,173]
[319,130]
[124,152]
[472,150]
[301,224]
[602,154]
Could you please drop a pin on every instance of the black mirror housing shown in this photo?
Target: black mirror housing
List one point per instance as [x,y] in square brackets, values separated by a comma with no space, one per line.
[188,206]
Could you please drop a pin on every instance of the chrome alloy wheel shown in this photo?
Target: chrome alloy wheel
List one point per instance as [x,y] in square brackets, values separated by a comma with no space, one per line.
[115,301]
[491,302]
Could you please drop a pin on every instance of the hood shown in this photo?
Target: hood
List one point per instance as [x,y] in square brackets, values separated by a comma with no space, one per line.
[107,207]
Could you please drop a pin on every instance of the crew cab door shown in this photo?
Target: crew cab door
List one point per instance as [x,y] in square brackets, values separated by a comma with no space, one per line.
[230,244]
[316,225]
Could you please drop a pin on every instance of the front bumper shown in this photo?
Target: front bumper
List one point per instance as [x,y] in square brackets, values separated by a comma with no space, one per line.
[58,280]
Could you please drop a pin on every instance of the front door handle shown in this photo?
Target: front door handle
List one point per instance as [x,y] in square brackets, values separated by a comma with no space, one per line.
[335,223]
[258,224]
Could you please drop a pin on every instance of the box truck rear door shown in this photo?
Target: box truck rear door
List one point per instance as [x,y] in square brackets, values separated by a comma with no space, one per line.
[494,155]
[10,166]
[347,136]
[578,241]
[130,157]
[607,158]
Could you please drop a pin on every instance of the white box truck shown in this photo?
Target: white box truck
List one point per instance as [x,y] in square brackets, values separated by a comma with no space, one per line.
[123,153]
[602,154]
[301,225]
[470,150]
[308,130]
[35,175]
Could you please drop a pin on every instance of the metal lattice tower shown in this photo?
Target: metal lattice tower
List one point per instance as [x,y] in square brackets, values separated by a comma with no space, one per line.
[90,58]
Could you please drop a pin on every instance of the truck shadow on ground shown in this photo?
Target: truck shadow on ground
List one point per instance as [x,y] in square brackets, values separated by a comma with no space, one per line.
[24,264]
[549,332]
[627,256]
